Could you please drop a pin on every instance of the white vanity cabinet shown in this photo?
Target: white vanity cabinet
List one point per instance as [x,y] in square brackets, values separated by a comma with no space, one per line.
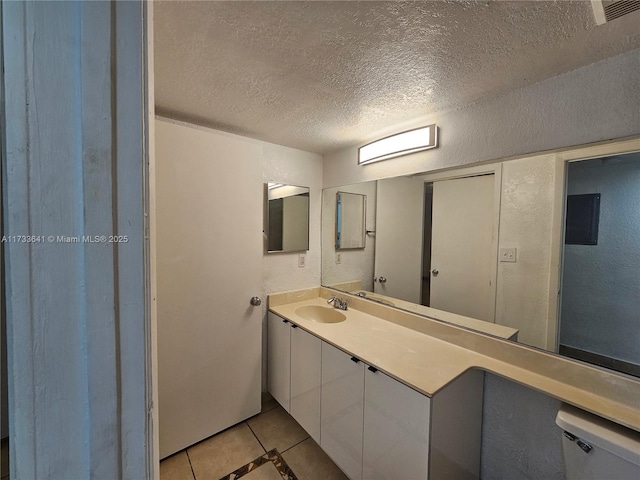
[306,380]
[371,425]
[279,359]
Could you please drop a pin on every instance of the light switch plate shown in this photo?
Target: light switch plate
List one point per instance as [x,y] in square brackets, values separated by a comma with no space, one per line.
[338,258]
[302,260]
[508,254]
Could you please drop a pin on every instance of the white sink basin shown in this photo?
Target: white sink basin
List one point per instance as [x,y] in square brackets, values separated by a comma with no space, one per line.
[317,313]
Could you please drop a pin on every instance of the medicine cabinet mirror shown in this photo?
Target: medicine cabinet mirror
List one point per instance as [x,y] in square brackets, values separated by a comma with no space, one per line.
[350,220]
[287,218]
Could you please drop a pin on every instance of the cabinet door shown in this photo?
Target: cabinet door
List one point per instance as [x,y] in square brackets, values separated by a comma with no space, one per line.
[279,359]
[305,380]
[396,430]
[342,409]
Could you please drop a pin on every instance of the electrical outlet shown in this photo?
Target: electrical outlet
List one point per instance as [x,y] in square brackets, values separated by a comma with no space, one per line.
[508,254]
[338,258]
[302,260]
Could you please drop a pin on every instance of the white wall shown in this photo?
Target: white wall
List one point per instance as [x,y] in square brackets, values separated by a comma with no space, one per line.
[526,222]
[280,271]
[354,264]
[601,283]
[596,102]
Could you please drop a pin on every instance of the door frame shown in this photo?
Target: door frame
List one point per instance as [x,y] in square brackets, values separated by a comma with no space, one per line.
[563,158]
[494,169]
[135,449]
[151,302]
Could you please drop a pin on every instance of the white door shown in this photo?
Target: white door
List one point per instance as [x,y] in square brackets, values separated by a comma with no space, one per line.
[209,265]
[399,230]
[463,251]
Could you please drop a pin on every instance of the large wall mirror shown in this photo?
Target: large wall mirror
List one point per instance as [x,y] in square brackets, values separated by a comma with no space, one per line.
[487,242]
[287,218]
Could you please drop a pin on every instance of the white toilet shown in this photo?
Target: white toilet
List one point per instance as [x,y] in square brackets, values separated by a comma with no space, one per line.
[597,449]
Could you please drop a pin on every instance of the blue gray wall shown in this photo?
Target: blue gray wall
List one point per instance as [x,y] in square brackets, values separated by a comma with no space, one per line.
[601,283]
[520,439]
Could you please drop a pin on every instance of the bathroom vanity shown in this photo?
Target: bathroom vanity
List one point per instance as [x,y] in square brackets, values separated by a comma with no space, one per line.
[386,391]
[343,375]
[351,408]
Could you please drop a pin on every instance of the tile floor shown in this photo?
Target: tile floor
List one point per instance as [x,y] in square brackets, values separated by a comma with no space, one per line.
[269,446]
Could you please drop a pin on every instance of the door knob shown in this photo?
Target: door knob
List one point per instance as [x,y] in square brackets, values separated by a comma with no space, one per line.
[255,301]
[435,272]
[382,280]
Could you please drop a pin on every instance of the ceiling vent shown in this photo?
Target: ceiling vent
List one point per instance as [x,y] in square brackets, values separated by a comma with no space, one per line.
[607,10]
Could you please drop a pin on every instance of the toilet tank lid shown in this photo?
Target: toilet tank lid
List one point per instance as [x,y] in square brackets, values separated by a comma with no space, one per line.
[616,439]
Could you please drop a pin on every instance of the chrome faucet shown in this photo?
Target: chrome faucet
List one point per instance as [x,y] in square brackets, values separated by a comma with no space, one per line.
[338,303]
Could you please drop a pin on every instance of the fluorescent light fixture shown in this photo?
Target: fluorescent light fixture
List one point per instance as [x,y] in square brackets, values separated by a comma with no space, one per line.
[404,143]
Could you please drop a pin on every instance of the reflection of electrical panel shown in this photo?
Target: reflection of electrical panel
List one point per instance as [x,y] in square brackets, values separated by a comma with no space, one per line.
[508,254]
[583,217]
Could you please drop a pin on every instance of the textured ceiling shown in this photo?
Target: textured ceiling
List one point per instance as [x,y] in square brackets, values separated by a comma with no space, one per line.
[322,75]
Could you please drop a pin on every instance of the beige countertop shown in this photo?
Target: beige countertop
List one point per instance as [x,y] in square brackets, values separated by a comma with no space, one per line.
[428,354]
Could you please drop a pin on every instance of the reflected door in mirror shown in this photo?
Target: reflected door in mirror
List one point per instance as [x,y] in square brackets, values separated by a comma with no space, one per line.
[399,230]
[463,258]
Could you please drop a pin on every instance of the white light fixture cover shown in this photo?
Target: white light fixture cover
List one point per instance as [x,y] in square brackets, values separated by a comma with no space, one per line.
[404,143]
